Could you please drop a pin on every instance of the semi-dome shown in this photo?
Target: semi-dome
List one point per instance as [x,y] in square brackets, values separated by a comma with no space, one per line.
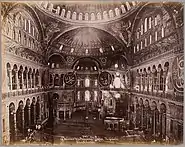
[87,41]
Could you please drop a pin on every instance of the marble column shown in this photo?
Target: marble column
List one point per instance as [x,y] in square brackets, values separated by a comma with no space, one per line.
[40,111]
[29,115]
[10,81]
[17,80]
[15,126]
[22,120]
[22,78]
[31,81]
[27,83]
[154,124]
[34,113]
[53,77]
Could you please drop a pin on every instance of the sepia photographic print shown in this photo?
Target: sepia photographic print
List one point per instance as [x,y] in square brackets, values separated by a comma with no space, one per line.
[92,72]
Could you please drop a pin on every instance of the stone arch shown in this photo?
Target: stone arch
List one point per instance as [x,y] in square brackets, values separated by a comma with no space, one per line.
[33,111]
[28,9]
[97,62]
[12,122]
[20,119]
[163,5]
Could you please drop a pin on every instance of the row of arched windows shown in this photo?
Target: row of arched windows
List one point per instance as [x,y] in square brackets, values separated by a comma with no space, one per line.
[22,78]
[152,79]
[25,24]
[92,16]
[87,82]
[146,41]
[22,31]
[87,96]
[156,32]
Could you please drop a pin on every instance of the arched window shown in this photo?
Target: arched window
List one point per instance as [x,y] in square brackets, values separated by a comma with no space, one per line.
[145,28]
[111,14]
[78,95]
[141,29]
[33,30]
[80,16]
[29,26]
[137,34]
[93,16]
[105,15]
[57,10]
[96,82]
[87,95]
[20,22]
[78,82]
[134,49]
[99,17]
[133,3]
[68,14]
[87,82]
[155,20]
[117,81]
[25,24]
[14,34]
[95,96]
[137,47]
[19,37]
[141,45]
[50,8]
[150,39]
[74,16]
[29,44]
[128,6]
[162,32]
[117,11]
[63,12]
[155,35]
[150,22]
[145,42]
[123,10]
[86,16]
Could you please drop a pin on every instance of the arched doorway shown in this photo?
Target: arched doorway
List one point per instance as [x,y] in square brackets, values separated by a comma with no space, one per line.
[33,112]
[12,123]
[155,119]
[20,120]
[38,109]
[27,118]
[162,121]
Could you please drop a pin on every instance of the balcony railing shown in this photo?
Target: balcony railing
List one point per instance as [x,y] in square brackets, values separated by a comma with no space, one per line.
[170,96]
[23,92]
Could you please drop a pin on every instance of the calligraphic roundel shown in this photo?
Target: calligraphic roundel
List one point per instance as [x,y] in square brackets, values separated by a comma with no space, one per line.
[178,73]
[105,78]
[70,78]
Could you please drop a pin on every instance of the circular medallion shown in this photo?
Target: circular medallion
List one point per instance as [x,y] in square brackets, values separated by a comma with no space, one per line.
[70,78]
[70,60]
[178,73]
[105,78]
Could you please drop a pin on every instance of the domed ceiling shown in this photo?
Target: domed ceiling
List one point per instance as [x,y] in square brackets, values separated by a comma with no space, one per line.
[88,10]
[87,41]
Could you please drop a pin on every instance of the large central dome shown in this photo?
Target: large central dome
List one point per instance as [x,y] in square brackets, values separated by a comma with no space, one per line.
[88,10]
